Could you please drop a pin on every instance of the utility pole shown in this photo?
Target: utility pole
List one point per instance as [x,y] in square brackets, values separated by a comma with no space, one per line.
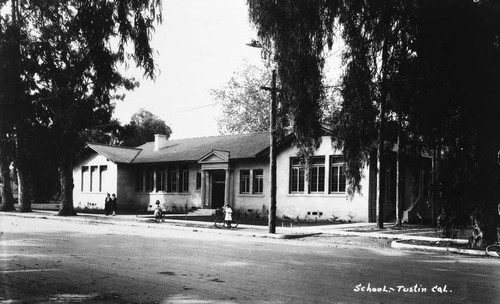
[272,154]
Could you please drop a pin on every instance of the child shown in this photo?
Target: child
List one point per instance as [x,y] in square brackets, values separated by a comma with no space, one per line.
[158,212]
[229,215]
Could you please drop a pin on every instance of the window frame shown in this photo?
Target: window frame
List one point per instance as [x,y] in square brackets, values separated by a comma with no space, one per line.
[85,172]
[316,182]
[297,176]
[102,169]
[258,181]
[245,181]
[337,165]
[161,179]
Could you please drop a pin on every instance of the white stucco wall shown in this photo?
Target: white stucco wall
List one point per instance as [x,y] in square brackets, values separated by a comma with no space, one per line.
[298,205]
[102,183]
[253,202]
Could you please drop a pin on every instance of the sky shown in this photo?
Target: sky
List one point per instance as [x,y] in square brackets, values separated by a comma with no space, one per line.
[200,44]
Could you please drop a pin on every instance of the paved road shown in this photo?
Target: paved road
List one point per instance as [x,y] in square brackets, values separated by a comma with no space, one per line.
[51,261]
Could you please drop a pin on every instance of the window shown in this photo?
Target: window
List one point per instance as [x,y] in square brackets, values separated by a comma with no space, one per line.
[184,181]
[317,175]
[258,181]
[296,176]
[161,179]
[244,181]
[85,178]
[102,177]
[198,180]
[150,180]
[173,181]
[337,175]
[94,179]
[139,180]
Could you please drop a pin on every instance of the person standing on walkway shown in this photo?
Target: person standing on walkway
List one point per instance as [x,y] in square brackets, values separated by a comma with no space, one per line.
[113,204]
[229,215]
[107,204]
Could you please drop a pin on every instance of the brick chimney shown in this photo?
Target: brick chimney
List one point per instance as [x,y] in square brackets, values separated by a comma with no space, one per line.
[160,141]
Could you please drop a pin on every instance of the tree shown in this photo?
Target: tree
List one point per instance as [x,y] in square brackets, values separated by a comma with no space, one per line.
[407,64]
[14,97]
[74,48]
[142,128]
[245,106]
[294,35]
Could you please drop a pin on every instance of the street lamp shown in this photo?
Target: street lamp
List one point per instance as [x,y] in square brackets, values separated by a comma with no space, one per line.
[272,145]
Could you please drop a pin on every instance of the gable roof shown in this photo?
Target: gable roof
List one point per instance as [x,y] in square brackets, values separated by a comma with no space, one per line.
[192,149]
[241,146]
[115,154]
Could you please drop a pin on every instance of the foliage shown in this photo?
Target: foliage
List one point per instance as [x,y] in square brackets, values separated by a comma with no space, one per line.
[72,54]
[245,106]
[294,34]
[142,128]
[427,67]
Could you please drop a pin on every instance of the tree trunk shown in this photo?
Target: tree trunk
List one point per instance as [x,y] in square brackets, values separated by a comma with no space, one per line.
[381,128]
[23,176]
[6,196]
[399,188]
[66,179]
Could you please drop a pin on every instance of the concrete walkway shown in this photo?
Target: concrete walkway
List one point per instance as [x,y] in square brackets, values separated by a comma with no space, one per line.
[352,229]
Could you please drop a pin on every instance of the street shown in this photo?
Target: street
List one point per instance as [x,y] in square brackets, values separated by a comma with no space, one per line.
[54,261]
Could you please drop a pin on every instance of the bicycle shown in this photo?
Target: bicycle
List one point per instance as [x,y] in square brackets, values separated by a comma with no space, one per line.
[493,250]
[159,216]
[221,223]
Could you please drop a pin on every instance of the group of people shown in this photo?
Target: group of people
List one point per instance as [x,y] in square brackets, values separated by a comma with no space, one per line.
[110,204]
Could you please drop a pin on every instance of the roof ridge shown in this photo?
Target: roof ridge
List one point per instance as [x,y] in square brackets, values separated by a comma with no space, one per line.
[114,146]
[212,136]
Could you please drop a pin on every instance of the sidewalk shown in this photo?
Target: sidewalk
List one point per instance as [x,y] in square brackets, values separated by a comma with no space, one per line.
[409,233]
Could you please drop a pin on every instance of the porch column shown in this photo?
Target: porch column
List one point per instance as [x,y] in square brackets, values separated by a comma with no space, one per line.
[203,189]
[227,187]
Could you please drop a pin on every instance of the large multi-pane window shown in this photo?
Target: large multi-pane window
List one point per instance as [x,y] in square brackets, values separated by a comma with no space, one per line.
[94,179]
[337,175]
[244,181]
[85,178]
[258,181]
[317,175]
[184,180]
[161,179]
[102,177]
[297,176]
[139,180]
[173,180]
[150,179]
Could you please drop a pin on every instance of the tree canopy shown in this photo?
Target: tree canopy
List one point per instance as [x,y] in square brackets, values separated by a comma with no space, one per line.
[428,67]
[245,106]
[142,128]
[70,56]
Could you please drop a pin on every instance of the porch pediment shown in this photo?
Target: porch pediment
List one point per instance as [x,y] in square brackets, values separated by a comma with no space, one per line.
[214,160]
[215,156]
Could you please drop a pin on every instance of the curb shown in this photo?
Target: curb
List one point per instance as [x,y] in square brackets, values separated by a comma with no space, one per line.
[398,245]
[171,224]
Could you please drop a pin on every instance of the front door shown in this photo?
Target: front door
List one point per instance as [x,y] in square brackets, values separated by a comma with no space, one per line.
[218,188]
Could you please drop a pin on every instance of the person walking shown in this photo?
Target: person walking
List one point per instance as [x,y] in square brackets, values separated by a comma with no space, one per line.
[113,204]
[107,204]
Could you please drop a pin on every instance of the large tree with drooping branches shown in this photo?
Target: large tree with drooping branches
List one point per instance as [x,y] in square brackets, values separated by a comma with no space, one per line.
[422,74]
[74,49]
